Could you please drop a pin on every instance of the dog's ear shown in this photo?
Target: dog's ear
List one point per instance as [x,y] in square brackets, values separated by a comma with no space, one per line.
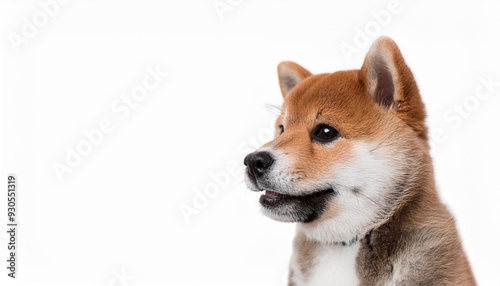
[391,84]
[290,74]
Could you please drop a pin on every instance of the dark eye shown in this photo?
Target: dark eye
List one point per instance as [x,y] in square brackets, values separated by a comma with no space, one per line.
[282,129]
[324,133]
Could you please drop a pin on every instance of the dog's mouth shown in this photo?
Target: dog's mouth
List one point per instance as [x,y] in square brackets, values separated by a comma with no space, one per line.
[295,208]
[274,195]
[272,199]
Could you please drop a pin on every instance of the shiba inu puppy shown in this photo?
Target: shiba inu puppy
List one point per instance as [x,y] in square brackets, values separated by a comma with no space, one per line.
[350,165]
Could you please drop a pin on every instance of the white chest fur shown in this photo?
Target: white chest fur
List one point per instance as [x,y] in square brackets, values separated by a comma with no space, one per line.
[334,265]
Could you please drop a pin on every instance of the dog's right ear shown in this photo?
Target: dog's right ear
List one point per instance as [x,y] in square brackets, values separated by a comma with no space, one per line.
[290,74]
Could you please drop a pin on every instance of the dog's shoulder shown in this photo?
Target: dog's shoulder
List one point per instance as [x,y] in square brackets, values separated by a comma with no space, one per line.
[425,251]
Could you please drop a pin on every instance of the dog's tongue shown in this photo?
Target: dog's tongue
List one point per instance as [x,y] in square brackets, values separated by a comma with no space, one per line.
[271,194]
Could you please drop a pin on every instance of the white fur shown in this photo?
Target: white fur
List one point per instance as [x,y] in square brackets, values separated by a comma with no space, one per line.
[335,265]
[372,171]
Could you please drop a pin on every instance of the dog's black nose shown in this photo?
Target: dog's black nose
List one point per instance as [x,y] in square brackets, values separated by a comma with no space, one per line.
[258,163]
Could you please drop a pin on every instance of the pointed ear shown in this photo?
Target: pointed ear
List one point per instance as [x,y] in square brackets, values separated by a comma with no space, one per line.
[290,74]
[391,84]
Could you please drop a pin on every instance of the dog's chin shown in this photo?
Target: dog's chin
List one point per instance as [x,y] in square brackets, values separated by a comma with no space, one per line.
[302,208]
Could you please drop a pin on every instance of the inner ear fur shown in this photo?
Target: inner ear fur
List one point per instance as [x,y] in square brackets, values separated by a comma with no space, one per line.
[289,75]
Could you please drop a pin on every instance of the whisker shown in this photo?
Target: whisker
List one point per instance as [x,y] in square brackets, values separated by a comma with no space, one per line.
[365,196]
[273,109]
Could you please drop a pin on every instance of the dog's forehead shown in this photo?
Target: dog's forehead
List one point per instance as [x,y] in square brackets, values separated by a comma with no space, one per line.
[322,96]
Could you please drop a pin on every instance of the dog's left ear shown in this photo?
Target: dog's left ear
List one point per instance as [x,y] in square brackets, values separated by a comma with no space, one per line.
[289,75]
[391,84]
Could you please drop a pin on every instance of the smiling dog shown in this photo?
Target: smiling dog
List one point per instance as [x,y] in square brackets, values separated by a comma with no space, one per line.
[350,165]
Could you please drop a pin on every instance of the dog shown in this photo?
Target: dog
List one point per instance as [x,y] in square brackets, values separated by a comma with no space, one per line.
[350,165]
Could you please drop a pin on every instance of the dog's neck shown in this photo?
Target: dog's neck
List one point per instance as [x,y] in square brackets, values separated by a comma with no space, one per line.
[312,234]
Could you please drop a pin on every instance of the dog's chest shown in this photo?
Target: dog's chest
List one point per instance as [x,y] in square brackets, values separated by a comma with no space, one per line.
[331,266]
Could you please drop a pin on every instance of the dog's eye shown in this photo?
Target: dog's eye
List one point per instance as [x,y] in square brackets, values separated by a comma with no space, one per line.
[282,129]
[324,133]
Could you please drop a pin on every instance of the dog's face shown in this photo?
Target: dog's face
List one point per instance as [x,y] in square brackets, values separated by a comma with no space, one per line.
[346,146]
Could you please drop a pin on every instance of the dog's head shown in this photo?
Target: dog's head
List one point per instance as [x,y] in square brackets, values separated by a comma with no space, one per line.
[348,146]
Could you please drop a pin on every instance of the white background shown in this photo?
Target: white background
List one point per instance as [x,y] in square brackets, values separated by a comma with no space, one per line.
[117,214]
